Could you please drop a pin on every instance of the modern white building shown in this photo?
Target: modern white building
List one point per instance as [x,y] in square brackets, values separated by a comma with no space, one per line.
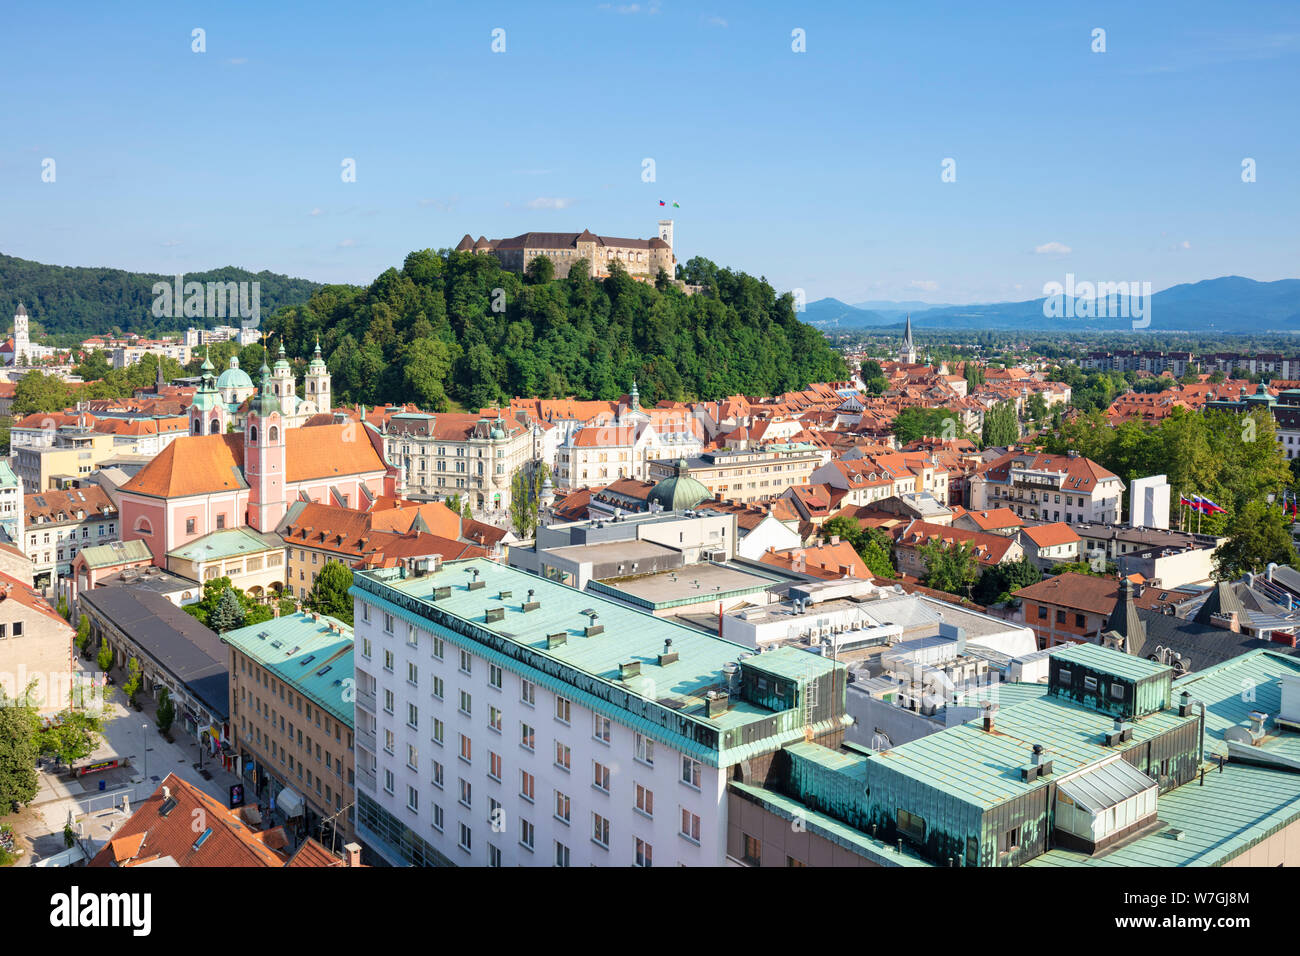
[1149,502]
[504,719]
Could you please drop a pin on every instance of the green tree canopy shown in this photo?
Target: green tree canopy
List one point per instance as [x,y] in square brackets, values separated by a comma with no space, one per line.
[953,568]
[329,595]
[1258,535]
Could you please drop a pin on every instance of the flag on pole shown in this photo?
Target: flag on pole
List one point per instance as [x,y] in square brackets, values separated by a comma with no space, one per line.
[676,205]
[1184,502]
[662,203]
[1211,508]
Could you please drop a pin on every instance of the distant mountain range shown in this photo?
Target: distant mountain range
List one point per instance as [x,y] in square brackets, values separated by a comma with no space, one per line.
[1230,304]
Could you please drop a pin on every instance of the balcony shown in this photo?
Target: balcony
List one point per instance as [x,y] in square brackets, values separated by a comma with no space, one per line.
[366,700]
[366,780]
[365,738]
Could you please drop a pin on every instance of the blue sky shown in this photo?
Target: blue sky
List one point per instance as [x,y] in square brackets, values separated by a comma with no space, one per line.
[820,170]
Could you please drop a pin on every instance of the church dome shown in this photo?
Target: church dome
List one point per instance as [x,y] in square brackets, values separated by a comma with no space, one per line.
[234,377]
[679,492]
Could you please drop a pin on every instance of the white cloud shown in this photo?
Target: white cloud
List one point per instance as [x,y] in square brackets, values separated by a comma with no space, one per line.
[171,242]
[716,21]
[237,60]
[1052,249]
[347,243]
[923,285]
[318,211]
[550,202]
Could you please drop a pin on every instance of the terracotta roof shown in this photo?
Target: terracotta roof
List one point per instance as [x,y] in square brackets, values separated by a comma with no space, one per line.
[989,549]
[149,835]
[398,514]
[828,561]
[603,436]
[1081,474]
[201,464]
[990,519]
[63,506]
[11,589]
[1051,535]
[1082,592]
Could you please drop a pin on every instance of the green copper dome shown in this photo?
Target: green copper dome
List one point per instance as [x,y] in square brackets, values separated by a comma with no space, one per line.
[679,492]
[283,362]
[234,377]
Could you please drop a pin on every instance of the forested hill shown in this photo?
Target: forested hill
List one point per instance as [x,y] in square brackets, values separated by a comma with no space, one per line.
[435,331]
[93,301]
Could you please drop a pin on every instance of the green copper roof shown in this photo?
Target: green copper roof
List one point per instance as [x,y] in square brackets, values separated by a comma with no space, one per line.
[234,377]
[119,552]
[230,543]
[680,492]
[305,654]
[663,701]
[1111,662]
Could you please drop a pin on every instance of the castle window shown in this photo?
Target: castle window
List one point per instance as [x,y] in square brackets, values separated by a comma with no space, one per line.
[215,428]
[252,433]
[275,433]
[143,526]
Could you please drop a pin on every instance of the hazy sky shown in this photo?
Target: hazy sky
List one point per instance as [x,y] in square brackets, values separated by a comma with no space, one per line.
[820,170]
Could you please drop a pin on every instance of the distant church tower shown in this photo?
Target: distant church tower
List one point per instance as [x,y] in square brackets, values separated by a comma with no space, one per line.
[666,231]
[282,380]
[264,457]
[208,413]
[907,354]
[22,345]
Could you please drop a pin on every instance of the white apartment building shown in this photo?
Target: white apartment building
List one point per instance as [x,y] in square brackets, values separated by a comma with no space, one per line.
[507,720]
[1066,488]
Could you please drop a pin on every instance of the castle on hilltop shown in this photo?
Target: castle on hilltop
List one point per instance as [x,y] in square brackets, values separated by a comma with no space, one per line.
[638,257]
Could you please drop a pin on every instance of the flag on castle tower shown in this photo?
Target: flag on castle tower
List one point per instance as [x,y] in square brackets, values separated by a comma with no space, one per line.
[662,203]
[676,205]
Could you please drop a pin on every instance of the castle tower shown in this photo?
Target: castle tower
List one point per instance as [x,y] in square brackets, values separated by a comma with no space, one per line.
[208,413]
[22,344]
[264,457]
[318,382]
[666,231]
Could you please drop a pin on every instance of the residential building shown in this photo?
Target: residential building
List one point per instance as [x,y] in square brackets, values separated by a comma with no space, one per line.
[291,710]
[989,549]
[473,456]
[1050,544]
[1042,487]
[12,501]
[61,523]
[35,644]
[744,475]
[74,454]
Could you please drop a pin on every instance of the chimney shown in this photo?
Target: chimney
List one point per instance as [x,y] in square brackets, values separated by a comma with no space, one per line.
[988,717]
[352,854]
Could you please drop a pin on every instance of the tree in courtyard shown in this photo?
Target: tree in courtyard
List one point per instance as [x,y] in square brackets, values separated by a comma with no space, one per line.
[72,735]
[131,686]
[105,658]
[329,595]
[166,711]
[18,750]
[1258,535]
[953,569]
[228,614]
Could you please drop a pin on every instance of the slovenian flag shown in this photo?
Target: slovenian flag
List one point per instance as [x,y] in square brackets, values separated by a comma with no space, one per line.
[1185,502]
[662,203]
[1210,508]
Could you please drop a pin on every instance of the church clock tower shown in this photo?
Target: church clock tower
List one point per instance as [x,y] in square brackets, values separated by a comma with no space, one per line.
[264,457]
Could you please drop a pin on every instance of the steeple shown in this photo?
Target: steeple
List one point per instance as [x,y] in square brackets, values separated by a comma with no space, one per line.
[907,354]
[636,398]
[1124,619]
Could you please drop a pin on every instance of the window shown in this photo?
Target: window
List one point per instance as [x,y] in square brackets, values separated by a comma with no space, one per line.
[1078,620]
[792,862]
[465,840]
[561,806]
[1060,617]
[527,737]
[1064,676]
[466,703]
[562,709]
[601,731]
[527,692]
[412,798]
[438,688]
[645,800]
[412,716]
[494,719]
[527,785]
[562,755]
[494,855]
[494,765]
[437,731]
[645,750]
[494,676]
[466,662]
[526,835]
[1042,613]
[388,781]
[437,818]
[561,854]
[690,772]
[189,527]
[600,830]
[388,660]
[911,825]
[1116,690]
[690,826]
[1090,684]
[753,851]
[466,749]
[437,775]
[388,623]
[389,741]
[644,853]
[438,647]
[466,792]
[600,776]
[412,757]
[1009,840]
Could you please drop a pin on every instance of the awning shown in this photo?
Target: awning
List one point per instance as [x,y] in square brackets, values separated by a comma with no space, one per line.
[290,803]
